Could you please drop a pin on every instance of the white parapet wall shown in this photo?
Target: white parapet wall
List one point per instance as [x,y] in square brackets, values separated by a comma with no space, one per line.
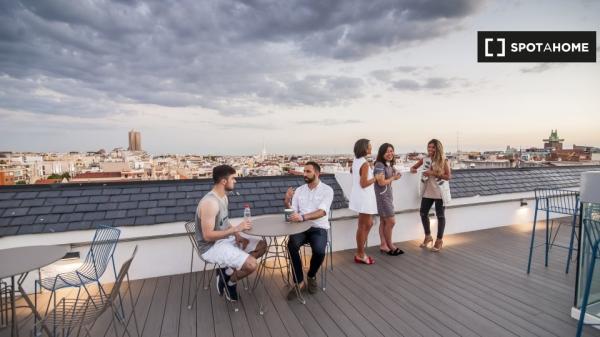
[164,249]
[462,215]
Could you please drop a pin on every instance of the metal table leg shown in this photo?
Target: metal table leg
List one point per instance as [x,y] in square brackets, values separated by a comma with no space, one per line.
[14,325]
[4,302]
[30,303]
[276,249]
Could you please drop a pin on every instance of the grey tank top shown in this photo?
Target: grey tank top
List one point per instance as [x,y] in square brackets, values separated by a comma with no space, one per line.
[221,221]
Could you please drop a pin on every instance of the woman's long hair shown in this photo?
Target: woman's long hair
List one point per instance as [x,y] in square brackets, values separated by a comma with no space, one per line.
[382,150]
[439,158]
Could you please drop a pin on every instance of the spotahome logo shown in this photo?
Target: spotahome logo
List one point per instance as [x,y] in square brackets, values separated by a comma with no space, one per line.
[536,46]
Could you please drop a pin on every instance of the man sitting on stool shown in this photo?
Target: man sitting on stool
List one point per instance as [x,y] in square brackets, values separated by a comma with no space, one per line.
[311,202]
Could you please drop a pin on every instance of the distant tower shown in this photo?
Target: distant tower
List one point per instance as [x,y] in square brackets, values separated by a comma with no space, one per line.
[131,140]
[135,141]
[138,141]
[553,142]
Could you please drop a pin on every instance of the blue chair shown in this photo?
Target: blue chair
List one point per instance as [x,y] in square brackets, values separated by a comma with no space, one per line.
[555,201]
[592,232]
[100,255]
[330,242]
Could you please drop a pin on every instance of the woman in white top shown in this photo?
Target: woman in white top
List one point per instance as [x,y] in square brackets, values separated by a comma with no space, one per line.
[434,189]
[362,198]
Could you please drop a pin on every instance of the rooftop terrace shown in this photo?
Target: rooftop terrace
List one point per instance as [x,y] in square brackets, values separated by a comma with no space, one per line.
[476,287]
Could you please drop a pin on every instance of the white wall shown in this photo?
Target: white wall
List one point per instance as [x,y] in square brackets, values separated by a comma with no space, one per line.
[406,193]
[462,215]
[458,220]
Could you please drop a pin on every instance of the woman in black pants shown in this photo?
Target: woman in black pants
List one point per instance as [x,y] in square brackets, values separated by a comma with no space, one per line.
[434,189]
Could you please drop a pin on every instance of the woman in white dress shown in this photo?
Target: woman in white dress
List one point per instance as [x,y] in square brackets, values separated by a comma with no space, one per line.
[362,198]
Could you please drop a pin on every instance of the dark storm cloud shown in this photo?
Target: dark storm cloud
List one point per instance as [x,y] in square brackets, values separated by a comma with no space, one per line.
[351,30]
[318,90]
[13,94]
[85,57]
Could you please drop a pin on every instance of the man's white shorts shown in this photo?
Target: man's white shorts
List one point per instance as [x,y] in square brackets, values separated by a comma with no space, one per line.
[226,252]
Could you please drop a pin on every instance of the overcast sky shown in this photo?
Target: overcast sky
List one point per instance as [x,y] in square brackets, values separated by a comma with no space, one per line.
[224,77]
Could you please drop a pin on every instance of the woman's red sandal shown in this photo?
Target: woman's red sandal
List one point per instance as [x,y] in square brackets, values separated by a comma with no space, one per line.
[367,260]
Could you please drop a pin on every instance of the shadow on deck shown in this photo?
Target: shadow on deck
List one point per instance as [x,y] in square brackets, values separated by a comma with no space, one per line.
[477,286]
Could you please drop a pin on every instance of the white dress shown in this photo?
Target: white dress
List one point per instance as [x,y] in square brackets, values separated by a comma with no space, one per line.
[362,200]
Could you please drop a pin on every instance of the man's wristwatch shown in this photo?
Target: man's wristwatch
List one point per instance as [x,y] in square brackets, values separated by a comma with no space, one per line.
[302,215]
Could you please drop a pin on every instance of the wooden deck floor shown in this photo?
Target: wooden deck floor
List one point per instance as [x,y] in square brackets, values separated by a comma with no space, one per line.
[477,286]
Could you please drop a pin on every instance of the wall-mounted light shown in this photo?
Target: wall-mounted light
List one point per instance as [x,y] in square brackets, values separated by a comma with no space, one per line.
[69,262]
[523,202]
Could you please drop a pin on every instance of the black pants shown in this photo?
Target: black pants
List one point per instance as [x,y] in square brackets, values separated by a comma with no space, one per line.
[426,204]
[317,239]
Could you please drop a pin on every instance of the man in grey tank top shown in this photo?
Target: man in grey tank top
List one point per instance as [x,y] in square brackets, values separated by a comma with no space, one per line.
[220,241]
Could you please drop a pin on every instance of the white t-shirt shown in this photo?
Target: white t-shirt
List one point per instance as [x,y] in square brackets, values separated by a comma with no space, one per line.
[307,201]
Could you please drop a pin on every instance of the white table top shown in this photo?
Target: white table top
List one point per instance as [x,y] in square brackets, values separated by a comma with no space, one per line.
[275,225]
[16,261]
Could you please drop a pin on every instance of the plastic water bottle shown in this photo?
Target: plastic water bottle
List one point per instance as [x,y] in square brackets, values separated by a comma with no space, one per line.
[247,214]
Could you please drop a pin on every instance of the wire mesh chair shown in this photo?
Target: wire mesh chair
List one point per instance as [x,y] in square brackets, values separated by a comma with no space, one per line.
[328,256]
[592,232]
[190,228]
[100,255]
[73,315]
[554,201]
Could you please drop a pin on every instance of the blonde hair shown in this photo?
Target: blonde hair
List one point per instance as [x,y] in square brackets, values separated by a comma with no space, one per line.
[439,158]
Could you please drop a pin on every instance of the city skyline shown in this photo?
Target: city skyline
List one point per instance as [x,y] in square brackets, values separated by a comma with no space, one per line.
[306,78]
[134,144]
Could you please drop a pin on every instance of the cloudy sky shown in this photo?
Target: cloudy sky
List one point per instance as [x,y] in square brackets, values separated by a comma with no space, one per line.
[224,77]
